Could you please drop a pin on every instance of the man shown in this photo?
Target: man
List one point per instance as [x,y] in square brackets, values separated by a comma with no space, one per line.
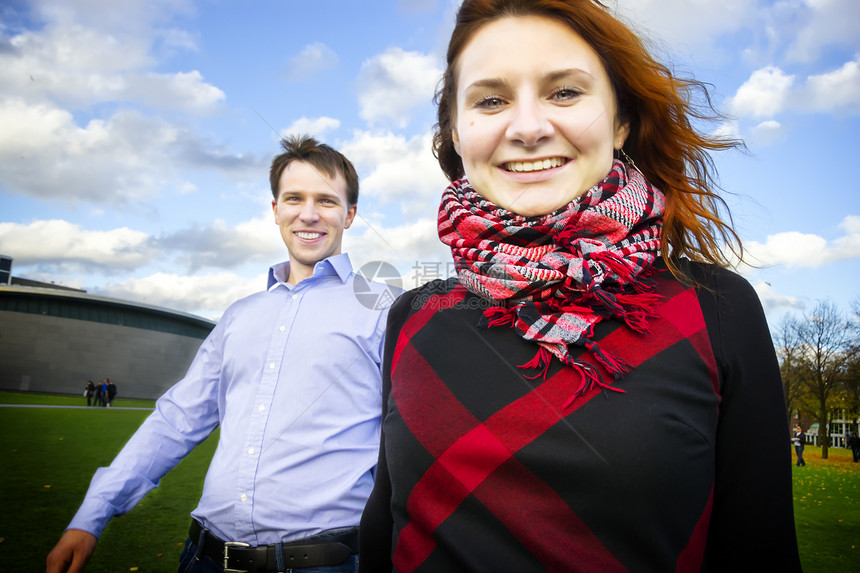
[292,376]
[110,391]
[854,444]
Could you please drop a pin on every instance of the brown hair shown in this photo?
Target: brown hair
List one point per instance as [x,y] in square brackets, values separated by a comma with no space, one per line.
[658,107]
[325,158]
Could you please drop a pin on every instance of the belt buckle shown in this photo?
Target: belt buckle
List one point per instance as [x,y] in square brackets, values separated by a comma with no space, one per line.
[232,545]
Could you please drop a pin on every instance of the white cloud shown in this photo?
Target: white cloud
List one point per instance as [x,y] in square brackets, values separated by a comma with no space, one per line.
[221,245]
[131,17]
[80,64]
[413,248]
[763,94]
[402,170]
[54,247]
[185,91]
[176,38]
[63,245]
[835,91]
[773,301]
[683,23]
[45,154]
[728,129]
[311,126]
[102,162]
[806,250]
[848,246]
[206,295]
[391,84]
[766,133]
[825,23]
[313,58]
[770,91]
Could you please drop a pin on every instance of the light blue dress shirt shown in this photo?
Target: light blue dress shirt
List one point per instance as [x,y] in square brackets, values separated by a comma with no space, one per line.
[293,377]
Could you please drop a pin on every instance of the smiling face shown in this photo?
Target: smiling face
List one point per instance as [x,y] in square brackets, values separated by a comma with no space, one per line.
[536,122]
[312,211]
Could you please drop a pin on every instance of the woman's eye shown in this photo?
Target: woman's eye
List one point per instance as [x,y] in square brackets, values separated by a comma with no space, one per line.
[490,102]
[565,94]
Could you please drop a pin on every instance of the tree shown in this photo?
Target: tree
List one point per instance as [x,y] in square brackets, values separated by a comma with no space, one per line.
[851,381]
[825,337]
[788,348]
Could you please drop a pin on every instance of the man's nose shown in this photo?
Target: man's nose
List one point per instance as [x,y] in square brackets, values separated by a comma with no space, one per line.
[309,211]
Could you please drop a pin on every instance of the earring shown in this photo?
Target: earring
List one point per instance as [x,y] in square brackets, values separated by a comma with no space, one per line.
[627,158]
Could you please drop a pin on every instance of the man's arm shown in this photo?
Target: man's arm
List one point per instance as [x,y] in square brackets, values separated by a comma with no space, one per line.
[184,416]
[71,552]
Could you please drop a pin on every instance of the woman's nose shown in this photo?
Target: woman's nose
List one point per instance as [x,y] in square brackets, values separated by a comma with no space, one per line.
[529,123]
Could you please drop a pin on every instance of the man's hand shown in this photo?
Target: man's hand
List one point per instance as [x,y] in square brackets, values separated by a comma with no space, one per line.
[71,552]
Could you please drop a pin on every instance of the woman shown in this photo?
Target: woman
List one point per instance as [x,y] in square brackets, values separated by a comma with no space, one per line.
[799,441]
[582,397]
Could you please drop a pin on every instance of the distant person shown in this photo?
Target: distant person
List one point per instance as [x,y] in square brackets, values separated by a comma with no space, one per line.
[99,395]
[89,391]
[854,444]
[292,376]
[799,441]
[111,391]
[594,390]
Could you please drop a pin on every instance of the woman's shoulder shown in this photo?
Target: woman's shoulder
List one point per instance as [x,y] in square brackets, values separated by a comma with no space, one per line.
[417,298]
[731,308]
[713,281]
[438,287]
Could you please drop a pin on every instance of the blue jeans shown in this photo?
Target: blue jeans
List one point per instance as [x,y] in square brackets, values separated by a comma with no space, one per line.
[190,562]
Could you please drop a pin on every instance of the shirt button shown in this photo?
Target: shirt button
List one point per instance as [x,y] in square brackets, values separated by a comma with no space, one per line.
[261,408]
[243,497]
[250,451]
[271,366]
[283,328]
[295,296]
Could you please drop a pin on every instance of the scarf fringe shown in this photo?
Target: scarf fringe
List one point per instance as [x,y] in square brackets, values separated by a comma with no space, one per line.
[500,316]
[541,361]
[589,379]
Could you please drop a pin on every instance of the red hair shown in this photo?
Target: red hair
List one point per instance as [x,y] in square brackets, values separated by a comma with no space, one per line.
[657,105]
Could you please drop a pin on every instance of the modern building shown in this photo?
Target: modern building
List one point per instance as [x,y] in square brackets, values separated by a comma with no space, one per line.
[840,430]
[54,339]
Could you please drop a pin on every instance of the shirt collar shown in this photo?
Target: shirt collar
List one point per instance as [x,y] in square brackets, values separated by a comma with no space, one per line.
[338,265]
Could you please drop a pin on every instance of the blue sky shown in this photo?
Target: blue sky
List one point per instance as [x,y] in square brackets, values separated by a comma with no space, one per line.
[136,135]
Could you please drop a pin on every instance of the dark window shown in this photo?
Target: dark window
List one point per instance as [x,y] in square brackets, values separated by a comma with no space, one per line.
[97,311]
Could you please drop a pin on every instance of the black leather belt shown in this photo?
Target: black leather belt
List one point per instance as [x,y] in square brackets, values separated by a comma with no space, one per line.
[239,557]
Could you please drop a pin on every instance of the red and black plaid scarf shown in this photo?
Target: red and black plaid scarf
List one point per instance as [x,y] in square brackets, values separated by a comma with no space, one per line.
[554,277]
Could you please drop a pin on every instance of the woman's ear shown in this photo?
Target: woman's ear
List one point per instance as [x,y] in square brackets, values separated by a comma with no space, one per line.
[621,133]
[455,139]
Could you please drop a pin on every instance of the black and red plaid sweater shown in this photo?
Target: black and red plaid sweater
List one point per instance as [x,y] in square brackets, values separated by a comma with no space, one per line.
[482,470]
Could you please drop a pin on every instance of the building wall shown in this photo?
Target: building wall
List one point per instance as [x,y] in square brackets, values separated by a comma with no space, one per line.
[54,354]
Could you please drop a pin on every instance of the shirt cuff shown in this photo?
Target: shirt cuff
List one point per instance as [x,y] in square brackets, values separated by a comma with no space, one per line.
[93,516]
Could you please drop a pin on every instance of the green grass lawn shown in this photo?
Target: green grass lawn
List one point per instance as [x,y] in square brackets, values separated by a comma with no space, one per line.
[67,400]
[827,511]
[49,456]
